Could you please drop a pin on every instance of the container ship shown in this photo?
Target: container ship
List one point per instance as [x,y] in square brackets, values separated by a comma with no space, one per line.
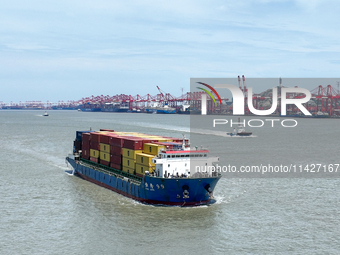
[151,169]
[111,107]
[161,109]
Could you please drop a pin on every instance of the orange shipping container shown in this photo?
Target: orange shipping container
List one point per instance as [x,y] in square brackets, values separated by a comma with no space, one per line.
[116,166]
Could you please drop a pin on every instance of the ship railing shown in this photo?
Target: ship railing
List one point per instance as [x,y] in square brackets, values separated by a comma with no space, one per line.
[204,175]
[195,175]
[113,170]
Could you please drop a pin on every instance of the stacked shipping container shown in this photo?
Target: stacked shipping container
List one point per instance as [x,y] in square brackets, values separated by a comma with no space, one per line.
[85,146]
[127,151]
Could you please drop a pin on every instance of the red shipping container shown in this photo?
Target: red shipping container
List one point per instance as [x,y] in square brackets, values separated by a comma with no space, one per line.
[94,145]
[177,140]
[104,138]
[105,163]
[133,143]
[85,154]
[116,141]
[116,159]
[95,160]
[116,166]
[86,137]
[115,150]
[85,145]
[95,137]
[169,145]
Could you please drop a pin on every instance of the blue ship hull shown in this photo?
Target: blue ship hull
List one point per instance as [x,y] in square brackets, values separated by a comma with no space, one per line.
[150,110]
[114,110]
[166,111]
[150,190]
[160,111]
[90,109]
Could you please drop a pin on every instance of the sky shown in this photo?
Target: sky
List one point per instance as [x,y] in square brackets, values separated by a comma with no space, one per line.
[69,49]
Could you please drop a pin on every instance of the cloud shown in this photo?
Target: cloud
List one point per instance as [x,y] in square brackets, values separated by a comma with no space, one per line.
[155,42]
[309,5]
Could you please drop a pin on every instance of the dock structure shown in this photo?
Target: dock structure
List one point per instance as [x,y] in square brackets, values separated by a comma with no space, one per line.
[325,102]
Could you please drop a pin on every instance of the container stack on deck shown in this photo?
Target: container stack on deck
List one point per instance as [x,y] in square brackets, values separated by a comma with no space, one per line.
[82,142]
[126,151]
[86,145]
[94,147]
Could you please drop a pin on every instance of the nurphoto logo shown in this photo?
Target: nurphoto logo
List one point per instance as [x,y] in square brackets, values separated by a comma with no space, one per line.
[239,99]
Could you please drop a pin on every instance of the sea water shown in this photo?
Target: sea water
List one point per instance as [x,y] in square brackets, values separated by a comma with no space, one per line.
[46,211]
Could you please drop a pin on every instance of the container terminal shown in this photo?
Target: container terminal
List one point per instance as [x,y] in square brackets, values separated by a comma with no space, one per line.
[324,103]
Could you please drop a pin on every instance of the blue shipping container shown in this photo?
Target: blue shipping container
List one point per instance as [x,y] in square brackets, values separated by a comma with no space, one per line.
[79,135]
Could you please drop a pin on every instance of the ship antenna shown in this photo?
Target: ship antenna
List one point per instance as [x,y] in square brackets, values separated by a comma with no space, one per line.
[183,142]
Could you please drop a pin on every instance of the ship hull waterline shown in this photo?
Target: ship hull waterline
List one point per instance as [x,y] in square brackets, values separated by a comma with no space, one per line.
[151,190]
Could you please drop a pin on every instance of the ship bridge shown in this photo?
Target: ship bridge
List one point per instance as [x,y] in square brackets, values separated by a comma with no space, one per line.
[185,163]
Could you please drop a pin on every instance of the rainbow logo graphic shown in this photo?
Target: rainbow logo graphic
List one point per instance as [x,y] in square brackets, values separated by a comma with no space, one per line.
[209,93]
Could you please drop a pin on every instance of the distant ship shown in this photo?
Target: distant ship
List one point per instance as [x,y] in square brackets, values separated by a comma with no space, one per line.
[90,107]
[12,107]
[240,131]
[184,109]
[134,110]
[161,109]
[321,115]
[112,107]
[59,107]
